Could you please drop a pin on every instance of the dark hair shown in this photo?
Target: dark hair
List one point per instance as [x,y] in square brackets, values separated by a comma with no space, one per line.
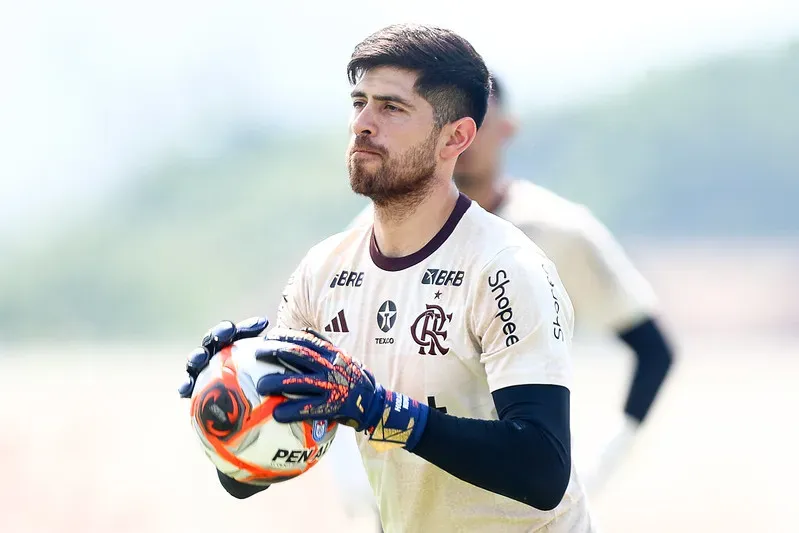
[452,76]
[497,90]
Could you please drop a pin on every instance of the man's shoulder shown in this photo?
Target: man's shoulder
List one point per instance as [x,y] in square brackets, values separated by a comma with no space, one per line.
[491,237]
[538,210]
[338,244]
[527,201]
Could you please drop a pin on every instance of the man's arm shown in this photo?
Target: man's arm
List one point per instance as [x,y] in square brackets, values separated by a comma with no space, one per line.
[653,361]
[608,290]
[525,341]
[610,293]
[525,455]
[237,489]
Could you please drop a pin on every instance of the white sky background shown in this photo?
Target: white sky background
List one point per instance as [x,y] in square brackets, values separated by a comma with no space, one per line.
[91,90]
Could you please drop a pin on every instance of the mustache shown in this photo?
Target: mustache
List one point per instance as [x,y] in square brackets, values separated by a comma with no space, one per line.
[364,145]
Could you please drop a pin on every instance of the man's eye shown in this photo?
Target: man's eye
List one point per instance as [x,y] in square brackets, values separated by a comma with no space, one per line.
[392,108]
[357,104]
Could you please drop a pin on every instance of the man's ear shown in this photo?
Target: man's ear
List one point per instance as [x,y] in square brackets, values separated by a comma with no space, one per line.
[458,136]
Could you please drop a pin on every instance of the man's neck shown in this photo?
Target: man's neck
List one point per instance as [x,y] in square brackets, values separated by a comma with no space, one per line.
[402,230]
[488,193]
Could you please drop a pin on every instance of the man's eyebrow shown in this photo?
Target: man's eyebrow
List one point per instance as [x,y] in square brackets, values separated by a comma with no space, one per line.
[383,98]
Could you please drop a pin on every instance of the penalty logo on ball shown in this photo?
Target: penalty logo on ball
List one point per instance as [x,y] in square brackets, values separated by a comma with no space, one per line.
[319,430]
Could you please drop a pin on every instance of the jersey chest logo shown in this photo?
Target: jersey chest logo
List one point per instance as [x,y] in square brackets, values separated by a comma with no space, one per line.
[347,278]
[428,330]
[386,316]
[437,276]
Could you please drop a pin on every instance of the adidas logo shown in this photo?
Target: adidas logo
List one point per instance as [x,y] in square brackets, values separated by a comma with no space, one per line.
[338,324]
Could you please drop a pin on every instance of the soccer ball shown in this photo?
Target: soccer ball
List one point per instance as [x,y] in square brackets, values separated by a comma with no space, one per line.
[236,427]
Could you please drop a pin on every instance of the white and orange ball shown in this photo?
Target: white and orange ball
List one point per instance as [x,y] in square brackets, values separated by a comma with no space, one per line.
[236,427]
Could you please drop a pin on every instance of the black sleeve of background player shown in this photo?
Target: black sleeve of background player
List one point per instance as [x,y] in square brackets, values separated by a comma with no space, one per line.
[238,489]
[525,455]
[653,360]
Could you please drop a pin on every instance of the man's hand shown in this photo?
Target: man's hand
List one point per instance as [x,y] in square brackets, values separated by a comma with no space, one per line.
[218,337]
[324,383]
[598,469]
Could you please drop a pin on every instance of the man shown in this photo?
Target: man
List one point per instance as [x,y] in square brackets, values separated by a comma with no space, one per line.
[607,291]
[461,322]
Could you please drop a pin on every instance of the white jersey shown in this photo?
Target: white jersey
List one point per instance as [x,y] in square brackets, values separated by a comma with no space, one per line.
[479,308]
[607,291]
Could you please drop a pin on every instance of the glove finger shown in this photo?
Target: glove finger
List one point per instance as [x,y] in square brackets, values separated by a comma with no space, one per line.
[291,384]
[252,327]
[309,341]
[318,335]
[301,409]
[297,358]
[320,342]
[187,388]
[197,360]
[307,335]
[219,336]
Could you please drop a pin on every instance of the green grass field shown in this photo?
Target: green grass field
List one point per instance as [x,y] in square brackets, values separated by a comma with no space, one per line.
[96,441]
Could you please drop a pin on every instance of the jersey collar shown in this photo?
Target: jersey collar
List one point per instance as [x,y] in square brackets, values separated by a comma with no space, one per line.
[394,264]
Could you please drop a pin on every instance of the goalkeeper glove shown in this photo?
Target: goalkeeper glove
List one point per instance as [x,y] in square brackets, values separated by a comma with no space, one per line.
[218,337]
[327,384]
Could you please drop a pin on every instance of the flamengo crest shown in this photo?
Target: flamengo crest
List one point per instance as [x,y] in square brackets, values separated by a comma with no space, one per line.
[428,330]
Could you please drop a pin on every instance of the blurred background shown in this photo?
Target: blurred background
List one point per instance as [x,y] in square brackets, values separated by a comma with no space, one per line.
[165,165]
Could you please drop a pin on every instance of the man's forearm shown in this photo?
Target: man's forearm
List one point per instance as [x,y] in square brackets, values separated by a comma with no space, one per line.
[237,489]
[653,362]
[524,456]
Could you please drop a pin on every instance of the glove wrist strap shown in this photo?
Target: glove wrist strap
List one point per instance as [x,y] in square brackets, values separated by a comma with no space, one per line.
[396,421]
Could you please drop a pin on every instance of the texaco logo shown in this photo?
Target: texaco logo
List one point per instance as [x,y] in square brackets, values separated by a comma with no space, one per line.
[386,316]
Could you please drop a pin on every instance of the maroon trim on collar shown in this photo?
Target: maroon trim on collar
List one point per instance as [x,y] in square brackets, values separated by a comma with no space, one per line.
[394,264]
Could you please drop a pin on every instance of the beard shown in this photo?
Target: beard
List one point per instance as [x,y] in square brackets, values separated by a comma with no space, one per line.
[403,180]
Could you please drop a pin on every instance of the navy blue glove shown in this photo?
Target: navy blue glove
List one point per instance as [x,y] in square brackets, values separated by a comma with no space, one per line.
[218,337]
[324,383]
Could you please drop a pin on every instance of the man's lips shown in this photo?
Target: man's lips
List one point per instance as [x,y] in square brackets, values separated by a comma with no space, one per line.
[365,151]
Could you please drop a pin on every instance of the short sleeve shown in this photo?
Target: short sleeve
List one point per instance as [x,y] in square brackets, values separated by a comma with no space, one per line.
[607,290]
[523,320]
[294,309]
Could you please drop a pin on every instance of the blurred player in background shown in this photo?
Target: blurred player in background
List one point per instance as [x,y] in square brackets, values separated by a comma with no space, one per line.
[462,402]
[607,291]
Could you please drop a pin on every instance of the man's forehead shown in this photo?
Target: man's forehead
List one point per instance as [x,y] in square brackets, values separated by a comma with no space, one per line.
[381,80]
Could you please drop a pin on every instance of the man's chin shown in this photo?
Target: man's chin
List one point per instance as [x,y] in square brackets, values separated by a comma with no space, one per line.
[363,185]
[369,189]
